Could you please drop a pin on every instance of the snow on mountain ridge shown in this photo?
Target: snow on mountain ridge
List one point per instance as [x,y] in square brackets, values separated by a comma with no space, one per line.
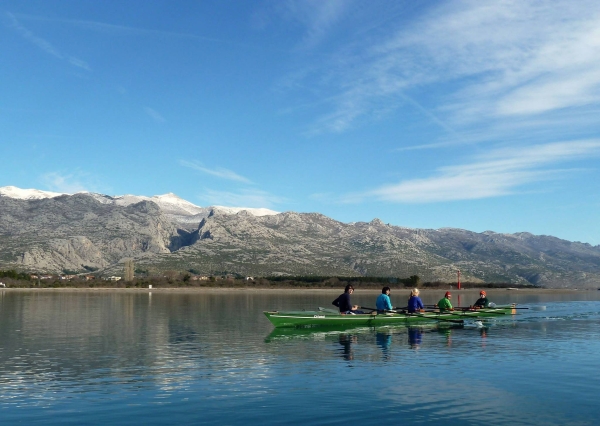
[170,203]
[254,211]
[27,194]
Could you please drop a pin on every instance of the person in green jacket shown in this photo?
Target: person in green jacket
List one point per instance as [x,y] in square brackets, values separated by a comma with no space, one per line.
[445,304]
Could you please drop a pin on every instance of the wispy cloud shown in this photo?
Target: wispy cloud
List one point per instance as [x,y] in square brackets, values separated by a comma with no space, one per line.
[43,44]
[156,116]
[521,58]
[476,61]
[245,198]
[218,171]
[498,173]
[29,36]
[79,63]
[318,17]
[124,30]
[66,183]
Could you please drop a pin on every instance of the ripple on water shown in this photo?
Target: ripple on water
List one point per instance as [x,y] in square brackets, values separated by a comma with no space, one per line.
[121,360]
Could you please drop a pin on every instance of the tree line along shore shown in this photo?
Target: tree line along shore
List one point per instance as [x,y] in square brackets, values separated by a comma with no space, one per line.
[14,279]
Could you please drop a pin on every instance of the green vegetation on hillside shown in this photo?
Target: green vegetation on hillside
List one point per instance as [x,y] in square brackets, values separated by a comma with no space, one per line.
[173,279]
[14,275]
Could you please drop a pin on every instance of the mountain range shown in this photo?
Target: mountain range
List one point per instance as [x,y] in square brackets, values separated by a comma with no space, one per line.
[43,231]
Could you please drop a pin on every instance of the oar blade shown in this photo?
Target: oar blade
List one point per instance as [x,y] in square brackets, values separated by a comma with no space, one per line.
[538,308]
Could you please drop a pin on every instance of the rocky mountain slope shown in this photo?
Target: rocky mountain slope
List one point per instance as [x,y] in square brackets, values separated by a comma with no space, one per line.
[83,232]
[187,215]
[78,232]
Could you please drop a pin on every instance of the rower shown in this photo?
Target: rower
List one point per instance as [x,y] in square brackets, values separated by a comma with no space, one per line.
[383,301]
[482,302]
[445,304]
[343,302]
[415,304]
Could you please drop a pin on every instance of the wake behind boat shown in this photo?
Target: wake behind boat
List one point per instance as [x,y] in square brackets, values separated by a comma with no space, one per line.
[330,318]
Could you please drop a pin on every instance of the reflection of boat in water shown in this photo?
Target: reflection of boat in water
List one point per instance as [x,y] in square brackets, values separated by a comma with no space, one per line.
[329,318]
[311,332]
[321,333]
[358,344]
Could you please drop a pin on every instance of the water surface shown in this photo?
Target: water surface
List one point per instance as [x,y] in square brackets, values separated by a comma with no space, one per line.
[124,357]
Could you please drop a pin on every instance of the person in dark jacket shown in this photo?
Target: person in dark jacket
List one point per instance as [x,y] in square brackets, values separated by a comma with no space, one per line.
[482,302]
[343,302]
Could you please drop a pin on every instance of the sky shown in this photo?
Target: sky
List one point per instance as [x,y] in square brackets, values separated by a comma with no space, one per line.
[463,114]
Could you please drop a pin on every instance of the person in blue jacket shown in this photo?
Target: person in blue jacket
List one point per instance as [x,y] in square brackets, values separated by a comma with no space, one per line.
[343,302]
[383,301]
[414,302]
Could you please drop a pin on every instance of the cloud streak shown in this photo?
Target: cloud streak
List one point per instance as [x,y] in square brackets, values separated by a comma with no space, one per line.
[318,17]
[245,198]
[43,44]
[498,173]
[476,61]
[156,116]
[123,30]
[64,183]
[219,172]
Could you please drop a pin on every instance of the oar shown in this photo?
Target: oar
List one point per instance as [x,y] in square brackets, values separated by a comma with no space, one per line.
[375,310]
[465,308]
[497,307]
[403,311]
[533,308]
[455,308]
[457,321]
[393,311]
[536,308]
[419,315]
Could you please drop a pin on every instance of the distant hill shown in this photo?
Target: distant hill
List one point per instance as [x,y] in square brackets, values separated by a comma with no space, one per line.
[85,231]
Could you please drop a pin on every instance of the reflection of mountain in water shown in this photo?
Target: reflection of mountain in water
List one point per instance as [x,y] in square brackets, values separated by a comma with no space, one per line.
[63,350]
[87,334]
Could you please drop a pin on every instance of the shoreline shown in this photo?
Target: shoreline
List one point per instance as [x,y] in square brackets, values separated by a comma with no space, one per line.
[288,290]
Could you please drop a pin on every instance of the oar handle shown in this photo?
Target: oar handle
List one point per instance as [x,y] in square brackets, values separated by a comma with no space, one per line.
[392,311]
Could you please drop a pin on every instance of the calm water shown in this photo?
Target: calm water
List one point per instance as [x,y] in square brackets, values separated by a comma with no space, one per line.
[213,358]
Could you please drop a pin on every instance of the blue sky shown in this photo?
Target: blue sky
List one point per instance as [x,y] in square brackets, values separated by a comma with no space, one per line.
[466,114]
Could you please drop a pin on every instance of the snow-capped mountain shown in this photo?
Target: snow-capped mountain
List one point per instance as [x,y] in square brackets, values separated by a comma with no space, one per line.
[26,194]
[254,211]
[170,204]
[44,231]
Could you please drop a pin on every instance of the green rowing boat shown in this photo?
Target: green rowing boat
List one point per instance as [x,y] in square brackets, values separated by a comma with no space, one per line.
[329,318]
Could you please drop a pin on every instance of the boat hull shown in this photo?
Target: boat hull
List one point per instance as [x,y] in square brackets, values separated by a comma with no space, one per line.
[292,319]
